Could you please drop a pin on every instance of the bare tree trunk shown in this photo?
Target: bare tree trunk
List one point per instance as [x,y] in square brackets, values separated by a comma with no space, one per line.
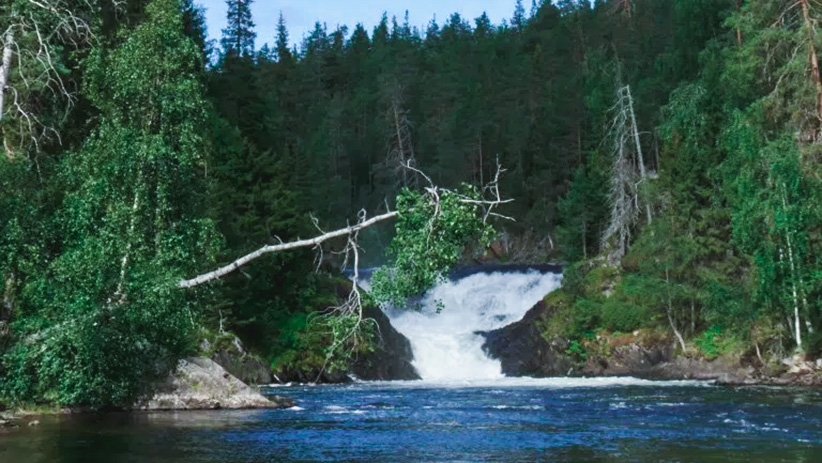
[481,161]
[673,327]
[693,318]
[796,323]
[635,131]
[794,275]
[119,294]
[738,30]
[8,296]
[640,159]
[400,142]
[400,147]
[5,67]
[669,310]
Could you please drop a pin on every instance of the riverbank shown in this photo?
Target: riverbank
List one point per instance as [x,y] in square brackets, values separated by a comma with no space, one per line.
[530,347]
[197,383]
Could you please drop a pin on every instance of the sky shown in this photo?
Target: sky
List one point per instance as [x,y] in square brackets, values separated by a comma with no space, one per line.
[300,15]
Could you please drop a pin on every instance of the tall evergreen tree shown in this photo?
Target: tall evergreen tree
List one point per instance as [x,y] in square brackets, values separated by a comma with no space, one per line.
[281,46]
[239,35]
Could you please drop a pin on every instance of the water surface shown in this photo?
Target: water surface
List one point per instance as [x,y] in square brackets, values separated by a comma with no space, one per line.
[593,420]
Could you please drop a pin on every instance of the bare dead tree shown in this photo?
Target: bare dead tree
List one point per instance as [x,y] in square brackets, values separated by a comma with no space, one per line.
[399,141]
[627,173]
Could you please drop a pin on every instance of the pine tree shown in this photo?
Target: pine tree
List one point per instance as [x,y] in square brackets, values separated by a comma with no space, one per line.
[238,36]
[281,49]
[518,20]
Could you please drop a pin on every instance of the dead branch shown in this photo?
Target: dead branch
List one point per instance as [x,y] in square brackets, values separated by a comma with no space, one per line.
[313,242]
[30,42]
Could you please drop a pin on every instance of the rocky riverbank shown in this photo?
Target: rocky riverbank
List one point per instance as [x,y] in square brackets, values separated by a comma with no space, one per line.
[198,383]
[525,350]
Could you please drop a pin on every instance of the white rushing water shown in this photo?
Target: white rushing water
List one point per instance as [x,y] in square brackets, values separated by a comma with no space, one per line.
[445,345]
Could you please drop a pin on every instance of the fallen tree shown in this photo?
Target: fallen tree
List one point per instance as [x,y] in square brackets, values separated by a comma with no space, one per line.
[481,202]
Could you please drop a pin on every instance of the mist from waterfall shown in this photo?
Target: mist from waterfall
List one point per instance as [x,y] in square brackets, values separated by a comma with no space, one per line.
[446,344]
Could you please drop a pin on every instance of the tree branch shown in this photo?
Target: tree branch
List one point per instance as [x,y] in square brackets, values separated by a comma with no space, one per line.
[317,240]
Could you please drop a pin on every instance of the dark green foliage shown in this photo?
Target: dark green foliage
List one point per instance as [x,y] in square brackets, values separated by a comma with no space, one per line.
[714,342]
[623,316]
[239,35]
[587,317]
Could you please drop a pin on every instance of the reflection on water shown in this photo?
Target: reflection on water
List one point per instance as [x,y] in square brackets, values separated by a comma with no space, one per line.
[410,422]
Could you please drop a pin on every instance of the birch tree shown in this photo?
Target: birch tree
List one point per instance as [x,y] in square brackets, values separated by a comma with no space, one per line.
[776,154]
[105,317]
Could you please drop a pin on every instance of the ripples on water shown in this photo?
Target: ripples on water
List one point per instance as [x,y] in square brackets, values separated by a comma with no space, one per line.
[563,420]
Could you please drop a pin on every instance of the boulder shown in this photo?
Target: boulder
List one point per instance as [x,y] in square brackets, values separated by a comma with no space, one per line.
[201,384]
[522,349]
[637,355]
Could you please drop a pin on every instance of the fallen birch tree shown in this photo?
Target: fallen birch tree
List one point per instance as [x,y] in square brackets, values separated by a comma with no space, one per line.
[430,203]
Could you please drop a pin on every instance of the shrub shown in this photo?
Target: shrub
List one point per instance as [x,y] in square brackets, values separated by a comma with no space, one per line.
[586,316]
[622,316]
[714,342]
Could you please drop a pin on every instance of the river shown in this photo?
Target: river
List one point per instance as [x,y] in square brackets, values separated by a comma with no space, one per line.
[513,420]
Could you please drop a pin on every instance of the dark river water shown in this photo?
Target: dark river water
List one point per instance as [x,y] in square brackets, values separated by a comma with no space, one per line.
[508,421]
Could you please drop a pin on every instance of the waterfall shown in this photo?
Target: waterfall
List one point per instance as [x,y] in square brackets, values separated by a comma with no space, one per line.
[446,346]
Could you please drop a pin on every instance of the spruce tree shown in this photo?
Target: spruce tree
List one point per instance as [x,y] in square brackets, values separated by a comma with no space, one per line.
[238,36]
[281,49]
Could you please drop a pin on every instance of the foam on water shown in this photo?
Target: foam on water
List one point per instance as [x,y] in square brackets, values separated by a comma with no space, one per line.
[446,345]
[509,383]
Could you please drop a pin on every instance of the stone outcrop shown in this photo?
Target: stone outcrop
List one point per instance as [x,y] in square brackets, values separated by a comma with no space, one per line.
[523,350]
[201,384]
